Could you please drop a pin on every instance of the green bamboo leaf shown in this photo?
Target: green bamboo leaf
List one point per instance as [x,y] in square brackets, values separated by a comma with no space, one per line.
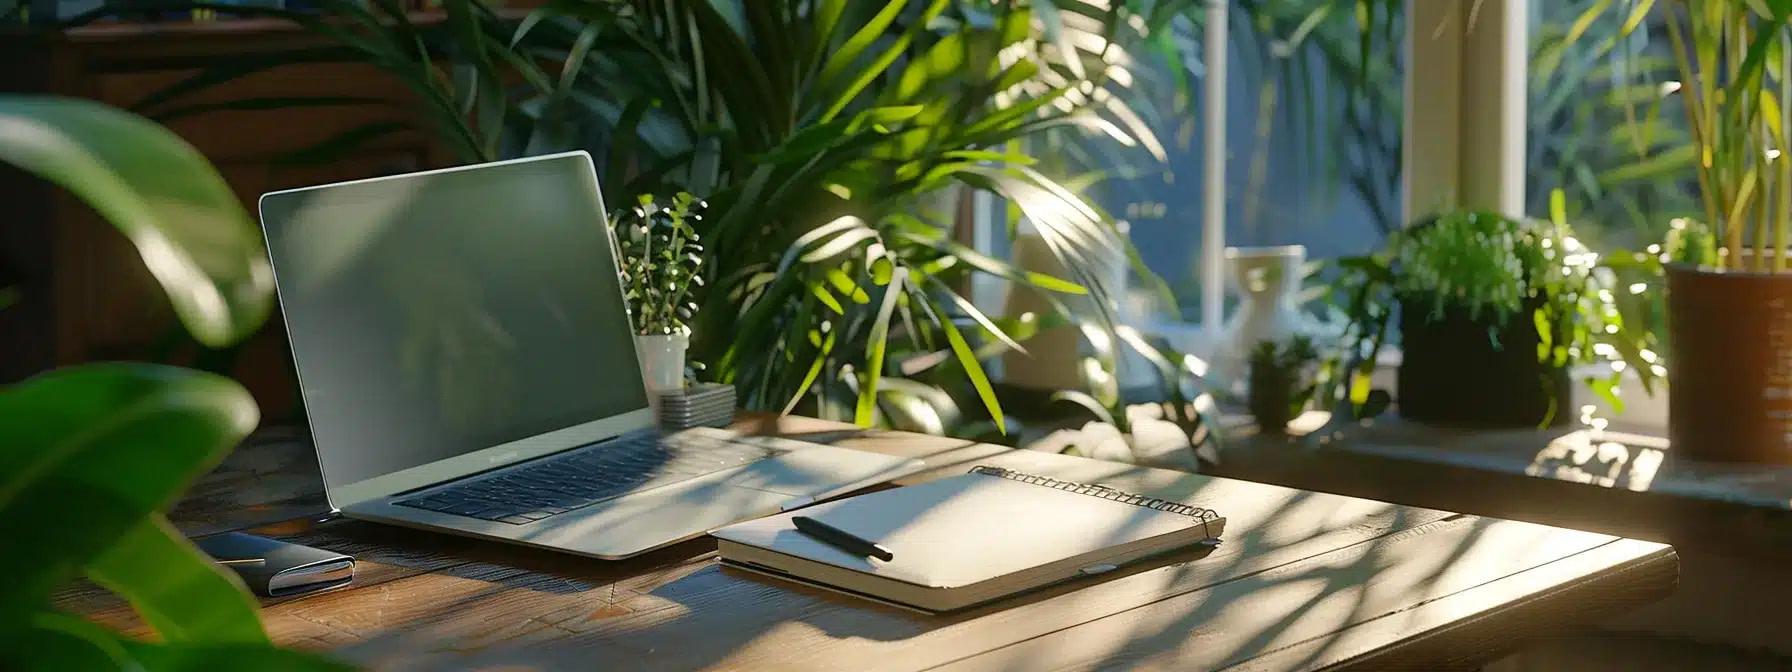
[839,245]
[967,359]
[191,230]
[844,284]
[826,21]
[827,298]
[996,267]
[1047,11]
[849,52]
[970,310]
[881,62]
[875,348]
[816,235]
[1673,161]
[821,357]
[1586,19]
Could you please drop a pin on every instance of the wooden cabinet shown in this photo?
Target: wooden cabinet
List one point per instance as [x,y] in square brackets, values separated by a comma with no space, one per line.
[85,294]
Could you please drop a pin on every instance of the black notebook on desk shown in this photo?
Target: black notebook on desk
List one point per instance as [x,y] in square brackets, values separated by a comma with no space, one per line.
[274,568]
[965,540]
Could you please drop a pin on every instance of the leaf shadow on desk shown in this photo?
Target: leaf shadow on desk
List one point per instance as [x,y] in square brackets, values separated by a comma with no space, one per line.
[1334,592]
[679,611]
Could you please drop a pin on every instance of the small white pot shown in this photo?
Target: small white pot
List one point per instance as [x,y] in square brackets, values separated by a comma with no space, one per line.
[662,360]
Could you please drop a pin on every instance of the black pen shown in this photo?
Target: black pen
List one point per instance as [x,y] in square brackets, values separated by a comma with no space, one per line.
[841,539]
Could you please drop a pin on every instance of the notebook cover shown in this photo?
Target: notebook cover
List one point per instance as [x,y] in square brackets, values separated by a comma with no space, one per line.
[965,529]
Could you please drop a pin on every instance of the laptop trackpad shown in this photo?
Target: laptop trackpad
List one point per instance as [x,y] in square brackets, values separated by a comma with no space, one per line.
[629,524]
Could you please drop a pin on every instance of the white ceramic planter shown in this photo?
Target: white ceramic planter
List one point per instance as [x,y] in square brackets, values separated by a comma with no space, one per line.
[1267,282]
[662,360]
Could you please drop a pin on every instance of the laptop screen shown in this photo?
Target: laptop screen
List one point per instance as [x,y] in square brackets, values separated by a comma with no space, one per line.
[439,314]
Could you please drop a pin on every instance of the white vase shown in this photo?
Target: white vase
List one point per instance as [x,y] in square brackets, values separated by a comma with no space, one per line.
[662,360]
[1267,283]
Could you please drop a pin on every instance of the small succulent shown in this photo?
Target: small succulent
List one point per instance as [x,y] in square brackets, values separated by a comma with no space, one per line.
[1281,381]
[660,259]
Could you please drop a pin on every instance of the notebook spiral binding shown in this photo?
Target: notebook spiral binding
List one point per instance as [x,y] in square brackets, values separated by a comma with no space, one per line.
[1206,516]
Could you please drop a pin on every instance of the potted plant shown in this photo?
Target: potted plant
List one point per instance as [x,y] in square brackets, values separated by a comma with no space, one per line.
[1281,381]
[1729,315]
[660,256]
[91,456]
[1495,313]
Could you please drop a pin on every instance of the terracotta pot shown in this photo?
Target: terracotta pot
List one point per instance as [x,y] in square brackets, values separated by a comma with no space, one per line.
[1451,374]
[1730,365]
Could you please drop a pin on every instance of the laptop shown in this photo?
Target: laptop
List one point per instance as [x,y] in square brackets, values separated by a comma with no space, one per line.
[464,354]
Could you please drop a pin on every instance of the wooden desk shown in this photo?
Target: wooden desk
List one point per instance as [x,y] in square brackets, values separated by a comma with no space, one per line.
[1303,581]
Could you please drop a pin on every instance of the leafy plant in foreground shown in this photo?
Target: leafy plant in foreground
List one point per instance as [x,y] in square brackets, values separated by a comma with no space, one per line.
[90,456]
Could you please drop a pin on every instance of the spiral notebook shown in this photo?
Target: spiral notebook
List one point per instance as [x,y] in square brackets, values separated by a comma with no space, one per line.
[965,540]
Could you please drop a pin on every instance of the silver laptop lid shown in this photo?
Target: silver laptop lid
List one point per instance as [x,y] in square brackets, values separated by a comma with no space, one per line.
[446,322]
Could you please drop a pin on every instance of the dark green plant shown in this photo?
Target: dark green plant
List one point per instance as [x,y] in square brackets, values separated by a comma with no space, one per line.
[92,455]
[1282,381]
[1497,269]
[834,139]
[661,260]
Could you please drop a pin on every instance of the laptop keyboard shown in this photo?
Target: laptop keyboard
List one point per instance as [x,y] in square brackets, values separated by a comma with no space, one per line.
[559,484]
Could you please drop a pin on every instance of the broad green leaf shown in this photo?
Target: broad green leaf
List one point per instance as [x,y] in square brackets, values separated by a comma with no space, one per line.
[123,440]
[202,657]
[189,227]
[176,588]
[55,641]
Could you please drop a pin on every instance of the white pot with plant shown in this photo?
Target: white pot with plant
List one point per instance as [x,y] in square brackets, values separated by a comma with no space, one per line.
[659,256]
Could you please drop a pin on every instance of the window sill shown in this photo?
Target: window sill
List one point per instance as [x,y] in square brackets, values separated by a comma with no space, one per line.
[1642,414]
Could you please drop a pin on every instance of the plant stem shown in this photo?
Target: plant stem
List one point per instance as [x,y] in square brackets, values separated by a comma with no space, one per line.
[1783,219]
[1700,129]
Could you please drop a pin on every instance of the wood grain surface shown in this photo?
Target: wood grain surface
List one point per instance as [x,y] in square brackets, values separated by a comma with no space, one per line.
[1618,483]
[1302,580]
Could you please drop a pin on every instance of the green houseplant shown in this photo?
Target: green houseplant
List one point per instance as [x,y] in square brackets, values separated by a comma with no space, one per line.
[1730,386]
[90,456]
[832,139]
[660,258]
[1282,381]
[1494,313]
